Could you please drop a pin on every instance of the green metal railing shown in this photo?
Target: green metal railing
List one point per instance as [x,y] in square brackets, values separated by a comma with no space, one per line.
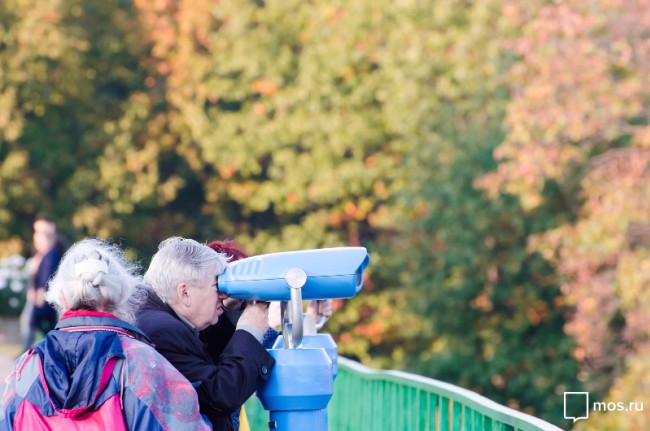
[370,400]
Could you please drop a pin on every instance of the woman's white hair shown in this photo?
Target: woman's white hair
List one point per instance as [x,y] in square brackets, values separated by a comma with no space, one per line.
[96,275]
[181,260]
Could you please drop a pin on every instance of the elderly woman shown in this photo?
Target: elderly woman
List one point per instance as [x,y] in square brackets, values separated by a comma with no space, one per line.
[95,371]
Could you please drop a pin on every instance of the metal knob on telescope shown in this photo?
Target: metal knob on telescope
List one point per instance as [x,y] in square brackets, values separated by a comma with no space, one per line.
[296,279]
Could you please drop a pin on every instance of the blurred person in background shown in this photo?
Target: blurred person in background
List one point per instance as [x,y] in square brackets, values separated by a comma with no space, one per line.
[38,315]
[96,370]
[184,299]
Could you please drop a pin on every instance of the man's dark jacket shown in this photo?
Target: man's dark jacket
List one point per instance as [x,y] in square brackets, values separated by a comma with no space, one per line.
[225,377]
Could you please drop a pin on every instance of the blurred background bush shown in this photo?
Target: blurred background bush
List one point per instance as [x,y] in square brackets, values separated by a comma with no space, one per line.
[14,278]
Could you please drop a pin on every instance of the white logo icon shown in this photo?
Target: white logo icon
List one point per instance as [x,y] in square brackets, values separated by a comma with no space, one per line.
[579,403]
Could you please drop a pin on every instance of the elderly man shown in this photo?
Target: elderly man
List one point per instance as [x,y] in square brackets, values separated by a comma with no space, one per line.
[184,299]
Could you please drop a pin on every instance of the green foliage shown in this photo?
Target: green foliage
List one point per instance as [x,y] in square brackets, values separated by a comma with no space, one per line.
[493,316]
[578,120]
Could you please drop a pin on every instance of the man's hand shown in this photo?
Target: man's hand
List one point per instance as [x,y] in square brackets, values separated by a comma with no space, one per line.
[36,297]
[233,304]
[275,316]
[39,299]
[316,308]
[320,308]
[31,295]
[256,315]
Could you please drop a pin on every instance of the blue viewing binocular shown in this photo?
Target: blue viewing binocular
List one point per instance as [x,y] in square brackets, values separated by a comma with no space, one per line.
[327,273]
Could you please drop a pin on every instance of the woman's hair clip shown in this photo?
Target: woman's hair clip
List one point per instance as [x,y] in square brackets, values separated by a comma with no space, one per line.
[91,270]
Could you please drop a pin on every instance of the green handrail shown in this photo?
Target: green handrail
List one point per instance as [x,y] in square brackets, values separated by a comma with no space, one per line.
[366,399]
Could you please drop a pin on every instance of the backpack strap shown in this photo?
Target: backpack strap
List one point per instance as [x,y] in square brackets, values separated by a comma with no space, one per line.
[29,369]
[26,372]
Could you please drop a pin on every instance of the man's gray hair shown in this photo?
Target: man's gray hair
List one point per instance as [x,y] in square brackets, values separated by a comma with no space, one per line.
[96,275]
[181,260]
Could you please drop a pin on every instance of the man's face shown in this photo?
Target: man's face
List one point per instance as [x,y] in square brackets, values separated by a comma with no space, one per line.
[205,303]
[43,236]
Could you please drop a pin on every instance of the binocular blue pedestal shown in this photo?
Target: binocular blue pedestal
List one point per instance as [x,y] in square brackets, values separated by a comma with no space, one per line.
[298,389]
[317,341]
[301,384]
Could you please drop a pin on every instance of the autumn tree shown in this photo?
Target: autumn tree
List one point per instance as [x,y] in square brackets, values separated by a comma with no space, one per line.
[287,125]
[482,310]
[578,122]
[70,72]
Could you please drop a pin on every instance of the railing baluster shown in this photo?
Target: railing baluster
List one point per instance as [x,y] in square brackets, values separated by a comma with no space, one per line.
[444,415]
[478,421]
[432,408]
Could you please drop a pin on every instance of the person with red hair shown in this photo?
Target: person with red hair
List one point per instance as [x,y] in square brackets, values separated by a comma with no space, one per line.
[217,336]
[233,252]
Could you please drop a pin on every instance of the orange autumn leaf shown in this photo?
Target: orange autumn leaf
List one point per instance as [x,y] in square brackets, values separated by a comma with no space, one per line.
[264,87]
